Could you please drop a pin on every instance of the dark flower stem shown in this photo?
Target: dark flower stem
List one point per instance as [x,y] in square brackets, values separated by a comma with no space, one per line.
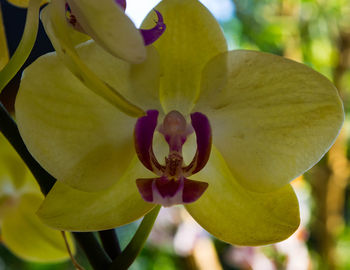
[97,257]
[133,249]
[110,242]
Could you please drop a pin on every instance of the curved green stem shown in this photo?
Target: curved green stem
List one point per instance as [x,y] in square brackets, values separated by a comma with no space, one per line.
[129,254]
[25,46]
[110,243]
[97,257]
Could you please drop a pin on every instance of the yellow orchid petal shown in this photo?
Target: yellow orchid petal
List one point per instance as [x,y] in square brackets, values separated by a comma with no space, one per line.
[272,118]
[108,25]
[22,231]
[23,3]
[27,237]
[69,209]
[57,28]
[143,78]
[13,172]
[8,192]
[77,136]
[136,82]
[191,38]
[241,217]
[4,53]
[72,36]
[15,178]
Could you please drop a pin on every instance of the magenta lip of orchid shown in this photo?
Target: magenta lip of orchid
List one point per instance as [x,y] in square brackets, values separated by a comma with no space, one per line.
[172,186]
[149,35]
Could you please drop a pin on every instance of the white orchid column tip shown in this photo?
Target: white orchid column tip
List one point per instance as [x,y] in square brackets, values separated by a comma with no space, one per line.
[172,186]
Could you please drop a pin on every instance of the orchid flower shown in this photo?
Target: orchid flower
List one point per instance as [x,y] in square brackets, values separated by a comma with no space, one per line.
[234,127]
[21,230]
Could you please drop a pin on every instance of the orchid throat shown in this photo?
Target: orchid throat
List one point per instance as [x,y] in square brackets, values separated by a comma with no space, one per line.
[172,186]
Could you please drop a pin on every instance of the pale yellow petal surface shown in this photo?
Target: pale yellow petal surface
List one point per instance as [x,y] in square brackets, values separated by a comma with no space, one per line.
[137,82]
[76,37]
[70,209]
[108,25]
[59,32]
[27,237]
[241,217]
[272,118]
[77,136]
[191,38]
[15,178]
[12,169]
[4,54]
[8,192]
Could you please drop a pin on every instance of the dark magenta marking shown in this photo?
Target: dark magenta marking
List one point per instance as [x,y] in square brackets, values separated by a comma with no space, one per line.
[193,190]
[166,187]
[151,35]
[201,126]
[143,138]
[172,187]
[144,186]
[121,3]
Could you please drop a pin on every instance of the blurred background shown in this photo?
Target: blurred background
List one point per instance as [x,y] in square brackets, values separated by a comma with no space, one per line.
[315,32]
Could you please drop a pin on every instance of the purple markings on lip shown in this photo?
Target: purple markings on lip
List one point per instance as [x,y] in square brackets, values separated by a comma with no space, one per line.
[121,3]
[161,190]
[144,186]
[169,192]
[151,35]
[166,187]
[173,186]
[193,190]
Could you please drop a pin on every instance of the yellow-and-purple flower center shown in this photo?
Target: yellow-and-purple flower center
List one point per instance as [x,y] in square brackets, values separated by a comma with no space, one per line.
[172,186]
